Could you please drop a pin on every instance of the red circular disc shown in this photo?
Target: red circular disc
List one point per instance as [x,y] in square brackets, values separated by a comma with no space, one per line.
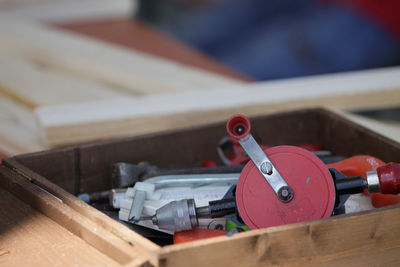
[306,175]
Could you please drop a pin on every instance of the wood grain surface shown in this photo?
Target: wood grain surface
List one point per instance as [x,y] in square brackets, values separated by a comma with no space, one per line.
[99,231]
[367,239]
[29,238]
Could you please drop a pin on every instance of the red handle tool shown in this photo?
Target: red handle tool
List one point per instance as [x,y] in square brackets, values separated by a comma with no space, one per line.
[300,175]
[362,164]
[303,176]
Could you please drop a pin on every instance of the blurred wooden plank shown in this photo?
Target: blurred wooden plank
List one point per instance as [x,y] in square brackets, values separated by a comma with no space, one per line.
[18,130]
[34,85]
[146,114]
[125,69]
[140,36]
[68,10]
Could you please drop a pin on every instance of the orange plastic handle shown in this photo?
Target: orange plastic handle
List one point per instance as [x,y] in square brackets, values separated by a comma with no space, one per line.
[357,165]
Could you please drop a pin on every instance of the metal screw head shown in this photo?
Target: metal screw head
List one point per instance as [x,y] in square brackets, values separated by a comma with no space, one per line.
[266,168]
[285,193]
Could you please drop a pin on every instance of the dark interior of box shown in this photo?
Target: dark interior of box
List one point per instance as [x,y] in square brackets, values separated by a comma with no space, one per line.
[86,168]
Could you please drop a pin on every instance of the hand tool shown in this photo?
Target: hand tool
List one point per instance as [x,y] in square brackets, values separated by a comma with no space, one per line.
[385,179]
[127,174]
[359,166]
[287,184]
[183,215]
[173,180]
[280,185]
[192,179]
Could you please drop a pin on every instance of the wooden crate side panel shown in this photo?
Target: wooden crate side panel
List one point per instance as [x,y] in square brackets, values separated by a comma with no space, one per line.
[78,217]
[47,204]
[172,150]
[81,207]
[29,238]
[288,128]
[59,166]
[347,138]
[354,240]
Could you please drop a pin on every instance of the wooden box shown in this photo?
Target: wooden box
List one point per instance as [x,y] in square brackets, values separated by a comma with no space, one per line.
[45,183]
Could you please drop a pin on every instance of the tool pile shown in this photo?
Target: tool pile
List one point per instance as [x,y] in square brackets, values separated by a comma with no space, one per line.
[260,187]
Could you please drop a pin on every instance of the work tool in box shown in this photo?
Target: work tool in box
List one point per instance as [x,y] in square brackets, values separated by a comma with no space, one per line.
[38,188]
[281,185]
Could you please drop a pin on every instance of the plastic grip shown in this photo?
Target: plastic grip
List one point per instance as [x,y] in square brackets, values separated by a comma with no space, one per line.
[238,126]
[389,178]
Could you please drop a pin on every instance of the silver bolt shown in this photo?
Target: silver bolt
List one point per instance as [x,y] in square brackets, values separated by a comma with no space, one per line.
[285,192]
[266,167]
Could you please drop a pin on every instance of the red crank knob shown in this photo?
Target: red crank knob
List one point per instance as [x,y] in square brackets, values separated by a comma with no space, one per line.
[238,126]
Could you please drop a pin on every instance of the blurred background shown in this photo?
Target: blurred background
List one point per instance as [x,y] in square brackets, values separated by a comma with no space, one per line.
[284,38]
[59,58]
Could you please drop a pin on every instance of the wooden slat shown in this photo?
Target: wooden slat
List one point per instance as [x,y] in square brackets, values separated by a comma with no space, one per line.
[116,235]
[162,112]
[29,238]
[110,243]
[355,240]
[126,69]
[18,131]
[33,85]
[68,10]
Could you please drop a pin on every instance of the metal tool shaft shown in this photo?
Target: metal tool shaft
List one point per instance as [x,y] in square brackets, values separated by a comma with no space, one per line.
[238,127]
[183,215]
